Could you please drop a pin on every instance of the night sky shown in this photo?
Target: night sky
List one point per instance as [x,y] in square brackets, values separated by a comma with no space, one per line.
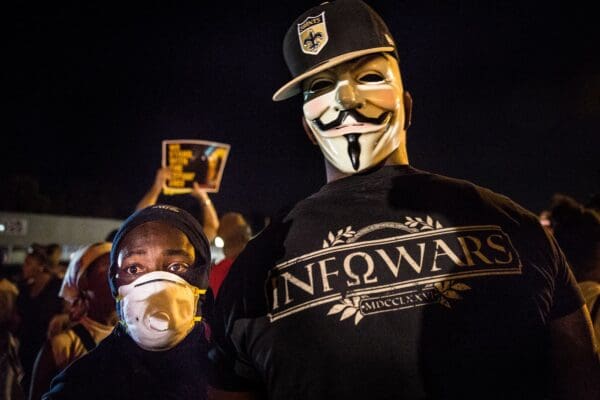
[507,97]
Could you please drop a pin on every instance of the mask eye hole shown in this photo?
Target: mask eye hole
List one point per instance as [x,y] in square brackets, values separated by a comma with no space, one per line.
[320,84]
[371,77]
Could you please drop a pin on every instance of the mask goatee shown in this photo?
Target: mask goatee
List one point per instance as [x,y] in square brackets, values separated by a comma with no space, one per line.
[354,149]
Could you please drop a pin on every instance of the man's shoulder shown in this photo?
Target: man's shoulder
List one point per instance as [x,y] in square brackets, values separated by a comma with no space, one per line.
[63,339]
[467,190]
[413,188]
[452,182]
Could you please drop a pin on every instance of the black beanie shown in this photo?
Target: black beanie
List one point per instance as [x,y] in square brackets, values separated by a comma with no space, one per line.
[178,218]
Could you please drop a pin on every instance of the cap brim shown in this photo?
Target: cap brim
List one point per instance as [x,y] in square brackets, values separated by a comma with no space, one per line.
[292,87]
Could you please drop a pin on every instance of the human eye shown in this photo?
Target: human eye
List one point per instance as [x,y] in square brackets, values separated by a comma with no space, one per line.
[133,269]
[178,267]
[371,77]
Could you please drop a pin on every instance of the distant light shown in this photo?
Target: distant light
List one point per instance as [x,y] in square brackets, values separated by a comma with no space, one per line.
[545,219]
[2,227]
[219,242]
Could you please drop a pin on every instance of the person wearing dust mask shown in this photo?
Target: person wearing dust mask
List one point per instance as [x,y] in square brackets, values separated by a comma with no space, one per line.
[159,270]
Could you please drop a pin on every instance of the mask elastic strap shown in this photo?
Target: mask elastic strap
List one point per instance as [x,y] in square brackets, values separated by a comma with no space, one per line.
[198,292]
[118,299]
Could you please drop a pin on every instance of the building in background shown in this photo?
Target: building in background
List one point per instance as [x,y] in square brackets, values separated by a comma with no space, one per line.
[20,230]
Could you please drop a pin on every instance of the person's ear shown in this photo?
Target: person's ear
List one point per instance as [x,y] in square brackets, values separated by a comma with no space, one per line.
[408,104]
[309,132]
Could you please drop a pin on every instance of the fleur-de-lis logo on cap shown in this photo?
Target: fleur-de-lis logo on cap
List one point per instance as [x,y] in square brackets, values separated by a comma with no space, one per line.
[312,33]
[313,40]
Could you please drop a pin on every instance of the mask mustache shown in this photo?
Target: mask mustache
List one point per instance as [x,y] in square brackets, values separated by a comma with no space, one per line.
[345,114]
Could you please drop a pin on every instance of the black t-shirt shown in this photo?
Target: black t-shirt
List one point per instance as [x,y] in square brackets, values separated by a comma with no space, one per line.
[393,284]
[119,369]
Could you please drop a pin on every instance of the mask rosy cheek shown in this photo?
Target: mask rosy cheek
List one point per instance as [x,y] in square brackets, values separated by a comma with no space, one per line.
[314,108]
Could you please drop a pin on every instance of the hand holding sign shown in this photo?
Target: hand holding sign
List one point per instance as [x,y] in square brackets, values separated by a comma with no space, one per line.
[192,161]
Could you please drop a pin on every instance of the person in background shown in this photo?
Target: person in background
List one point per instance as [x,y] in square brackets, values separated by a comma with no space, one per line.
[59,322]
[235,232]
[577,230]
[54,252]
[11,370]
[210,220]
[37,304]
[110,236]
[392,282]
[92,312]
[159,266]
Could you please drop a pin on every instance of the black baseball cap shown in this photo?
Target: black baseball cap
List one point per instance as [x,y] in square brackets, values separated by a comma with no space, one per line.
[330,34]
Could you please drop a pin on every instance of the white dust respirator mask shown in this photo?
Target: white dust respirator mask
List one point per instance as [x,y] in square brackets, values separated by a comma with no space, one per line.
[158,309]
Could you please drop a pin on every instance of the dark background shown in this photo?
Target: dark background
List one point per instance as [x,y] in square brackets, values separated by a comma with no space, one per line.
[505,95]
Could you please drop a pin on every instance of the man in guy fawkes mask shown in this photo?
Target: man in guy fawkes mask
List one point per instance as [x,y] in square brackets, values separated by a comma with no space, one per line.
[355,106]
[391,282]
[159,271]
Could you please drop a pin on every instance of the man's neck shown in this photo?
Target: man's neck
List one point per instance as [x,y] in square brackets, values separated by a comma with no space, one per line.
[398,157]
